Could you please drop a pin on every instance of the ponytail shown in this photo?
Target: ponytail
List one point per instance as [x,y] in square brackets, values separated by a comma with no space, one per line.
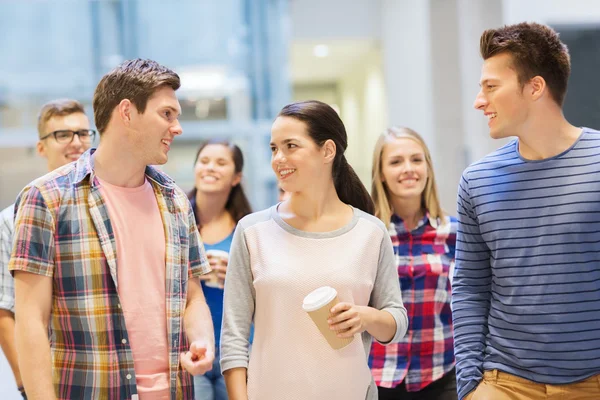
[323,123]
[349,187]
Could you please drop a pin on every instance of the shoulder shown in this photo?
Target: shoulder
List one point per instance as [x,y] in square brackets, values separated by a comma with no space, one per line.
[503,156]
[165,182]
[256,218]
[7,218]
[51,187]
[592,134]
[371,220]
[181,199]
[449,225]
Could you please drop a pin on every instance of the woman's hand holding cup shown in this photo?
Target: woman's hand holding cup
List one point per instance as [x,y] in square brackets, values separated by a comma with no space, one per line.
[218,261]
[348,319]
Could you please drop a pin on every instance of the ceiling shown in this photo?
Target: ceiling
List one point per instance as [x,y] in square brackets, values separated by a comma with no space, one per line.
[306,68]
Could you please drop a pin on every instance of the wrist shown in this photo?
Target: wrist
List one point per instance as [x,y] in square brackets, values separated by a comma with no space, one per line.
[369,317]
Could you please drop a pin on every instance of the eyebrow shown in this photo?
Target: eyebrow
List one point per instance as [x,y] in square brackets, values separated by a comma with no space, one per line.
[285,141]
[410,155]
[485,81]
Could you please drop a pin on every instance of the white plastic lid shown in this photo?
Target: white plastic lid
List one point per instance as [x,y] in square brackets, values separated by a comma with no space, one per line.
[318,298]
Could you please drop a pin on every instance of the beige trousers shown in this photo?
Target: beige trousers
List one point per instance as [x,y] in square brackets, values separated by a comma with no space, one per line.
[497,385]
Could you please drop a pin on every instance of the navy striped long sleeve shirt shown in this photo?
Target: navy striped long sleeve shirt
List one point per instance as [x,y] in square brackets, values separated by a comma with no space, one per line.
[526,289]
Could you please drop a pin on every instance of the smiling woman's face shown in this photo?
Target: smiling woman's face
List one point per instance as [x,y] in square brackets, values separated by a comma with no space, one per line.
[295,158]
[404,168]
[215,170]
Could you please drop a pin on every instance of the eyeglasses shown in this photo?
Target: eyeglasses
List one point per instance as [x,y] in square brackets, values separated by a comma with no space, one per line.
[65,136]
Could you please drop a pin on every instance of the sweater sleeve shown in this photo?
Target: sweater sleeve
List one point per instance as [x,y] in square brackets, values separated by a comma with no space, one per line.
[238,305]
[471,293]
[386,295]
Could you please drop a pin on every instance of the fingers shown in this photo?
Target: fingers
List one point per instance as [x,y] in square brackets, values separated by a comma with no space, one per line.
[339,307]
[346,322]
[186,360]
[350,324]
[343,316]
[198,349]
[198,367]
[350,332]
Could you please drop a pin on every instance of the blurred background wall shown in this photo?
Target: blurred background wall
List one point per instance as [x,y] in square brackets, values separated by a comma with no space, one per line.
[412,63]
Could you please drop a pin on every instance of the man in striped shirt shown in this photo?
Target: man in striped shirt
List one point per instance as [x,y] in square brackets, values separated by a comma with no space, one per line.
[526,289]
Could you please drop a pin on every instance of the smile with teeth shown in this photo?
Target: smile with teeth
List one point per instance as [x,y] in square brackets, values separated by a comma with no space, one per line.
[209,178]
[492,115]
[285,172]
[166,143]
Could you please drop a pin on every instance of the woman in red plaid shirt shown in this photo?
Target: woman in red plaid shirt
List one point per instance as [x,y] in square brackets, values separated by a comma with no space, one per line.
[421,366]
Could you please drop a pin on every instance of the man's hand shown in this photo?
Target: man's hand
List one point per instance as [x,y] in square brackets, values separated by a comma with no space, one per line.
[199,359]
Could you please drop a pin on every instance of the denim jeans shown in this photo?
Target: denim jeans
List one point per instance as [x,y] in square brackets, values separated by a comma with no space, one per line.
[210,386]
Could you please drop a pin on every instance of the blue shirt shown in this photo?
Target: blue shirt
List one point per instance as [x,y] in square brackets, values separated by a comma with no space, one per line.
[214,296]
[526,289]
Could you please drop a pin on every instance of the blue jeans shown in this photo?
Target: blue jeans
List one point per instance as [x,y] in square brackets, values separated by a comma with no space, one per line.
[210,386]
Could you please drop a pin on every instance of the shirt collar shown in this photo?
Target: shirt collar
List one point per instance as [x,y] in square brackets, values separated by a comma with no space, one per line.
[427,219]
[85,167]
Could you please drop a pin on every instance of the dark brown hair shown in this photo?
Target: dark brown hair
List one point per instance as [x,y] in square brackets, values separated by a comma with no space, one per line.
[136,80]
[323,123]
[237,204]
[536,50]
[57,108]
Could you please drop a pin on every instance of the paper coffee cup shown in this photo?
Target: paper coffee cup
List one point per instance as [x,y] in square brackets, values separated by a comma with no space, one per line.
[317,304]
[222,257]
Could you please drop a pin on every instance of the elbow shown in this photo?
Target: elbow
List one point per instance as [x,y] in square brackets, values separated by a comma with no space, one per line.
[401,320]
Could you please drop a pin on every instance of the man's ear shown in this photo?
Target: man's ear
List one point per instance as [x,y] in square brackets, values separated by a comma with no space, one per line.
[40,148]
[126,109]
[537,87]
[329,150]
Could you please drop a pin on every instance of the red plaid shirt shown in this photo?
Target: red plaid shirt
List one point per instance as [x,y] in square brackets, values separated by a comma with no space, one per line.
[425,258]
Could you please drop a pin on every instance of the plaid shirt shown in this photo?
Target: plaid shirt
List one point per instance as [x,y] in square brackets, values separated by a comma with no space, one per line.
[425,258]
[7,284]
[62,230]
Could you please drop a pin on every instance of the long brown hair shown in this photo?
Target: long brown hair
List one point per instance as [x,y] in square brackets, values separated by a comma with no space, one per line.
[323,123]
[237,204]
[381,195]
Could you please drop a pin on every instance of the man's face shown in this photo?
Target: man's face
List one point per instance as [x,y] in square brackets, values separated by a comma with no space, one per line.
[501,97]
[152,132]
[59,154]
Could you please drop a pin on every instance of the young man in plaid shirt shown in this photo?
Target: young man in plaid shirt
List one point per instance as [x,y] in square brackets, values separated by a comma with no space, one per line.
[107,255]
[64,134]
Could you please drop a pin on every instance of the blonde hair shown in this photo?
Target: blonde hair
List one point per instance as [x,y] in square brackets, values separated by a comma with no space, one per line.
[379,191]
[57,108]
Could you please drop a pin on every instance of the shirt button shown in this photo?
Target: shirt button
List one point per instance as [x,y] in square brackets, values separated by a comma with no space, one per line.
[128,376]
[124,341]
[118,305]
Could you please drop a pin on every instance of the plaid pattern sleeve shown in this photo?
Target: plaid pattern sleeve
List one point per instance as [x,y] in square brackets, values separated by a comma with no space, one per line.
[425,257]
[63,230]
[33,248]
[7,284]
[198,263]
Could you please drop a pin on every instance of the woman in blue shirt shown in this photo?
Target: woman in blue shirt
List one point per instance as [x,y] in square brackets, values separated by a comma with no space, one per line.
[219,202]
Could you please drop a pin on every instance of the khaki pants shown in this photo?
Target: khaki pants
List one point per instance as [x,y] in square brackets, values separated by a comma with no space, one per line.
[497,385]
